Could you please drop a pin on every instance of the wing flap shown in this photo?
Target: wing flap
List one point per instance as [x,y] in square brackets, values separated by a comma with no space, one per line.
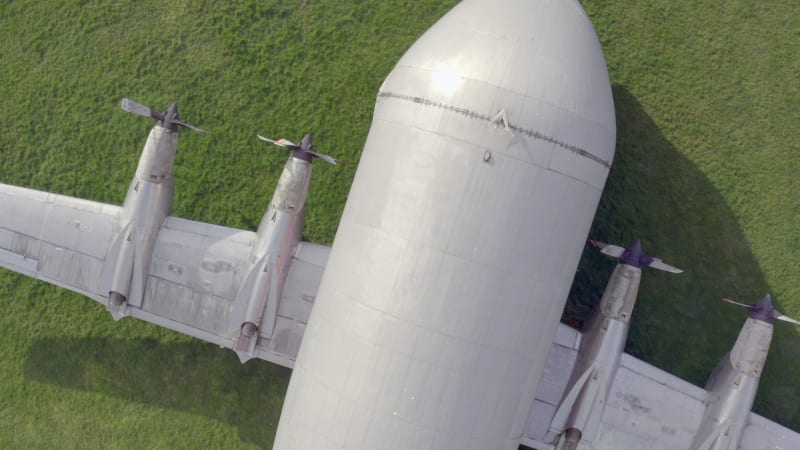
[647,408]
[552,387]
[196,272]
[59,239]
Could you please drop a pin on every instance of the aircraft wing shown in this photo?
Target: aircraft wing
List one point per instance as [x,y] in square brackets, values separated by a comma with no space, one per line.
[553,385]
[762,433]
[58,239]
[647,408]
[194,276]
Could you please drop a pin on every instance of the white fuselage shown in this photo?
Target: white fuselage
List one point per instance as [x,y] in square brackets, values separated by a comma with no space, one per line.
[460,237]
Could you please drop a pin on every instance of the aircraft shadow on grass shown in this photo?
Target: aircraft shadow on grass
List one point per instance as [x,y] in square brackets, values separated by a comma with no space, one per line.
[656,194]
[653,193]
[194,377]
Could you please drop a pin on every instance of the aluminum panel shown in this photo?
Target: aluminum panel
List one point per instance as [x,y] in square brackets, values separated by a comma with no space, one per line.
[196,272]
[650,408]
[764,434]
[456,248]
[59,239]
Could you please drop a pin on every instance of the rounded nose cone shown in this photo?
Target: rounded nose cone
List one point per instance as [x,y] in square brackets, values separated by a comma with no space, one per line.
[490,144]
[172,111]
[539,61]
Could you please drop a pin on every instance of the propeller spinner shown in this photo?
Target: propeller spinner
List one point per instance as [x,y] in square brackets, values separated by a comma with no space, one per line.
[303,151]
[167,119]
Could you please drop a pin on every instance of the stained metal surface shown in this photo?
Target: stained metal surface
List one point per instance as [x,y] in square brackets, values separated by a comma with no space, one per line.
[147,203]
[581,409]
[195,276]
[180,274]
[449,273]
[652,409]
[732,388]
[553,386]
[59,239]
[649,408]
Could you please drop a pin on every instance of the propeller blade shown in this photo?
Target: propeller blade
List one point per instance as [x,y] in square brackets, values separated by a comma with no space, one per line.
[781,316]
[727,300]
[325,157]
[287,143]
[266,139]
[280,142]
[192,127]
[661,265]
[608,249]
[292,146]
[139,109]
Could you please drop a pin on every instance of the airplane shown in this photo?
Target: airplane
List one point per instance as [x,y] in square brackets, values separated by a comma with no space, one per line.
[429,322]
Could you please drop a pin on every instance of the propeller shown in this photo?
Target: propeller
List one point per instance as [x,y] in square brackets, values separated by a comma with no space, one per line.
[608,249]
[167,118]
[763,310]
[300,151]
[634,256]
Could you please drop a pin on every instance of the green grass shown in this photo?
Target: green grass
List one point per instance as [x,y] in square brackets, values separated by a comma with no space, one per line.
[708,107]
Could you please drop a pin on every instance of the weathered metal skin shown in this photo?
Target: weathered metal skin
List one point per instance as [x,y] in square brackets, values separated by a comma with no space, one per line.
[488,151]
[733,385]
[278,234]
[147,203]
[579,414]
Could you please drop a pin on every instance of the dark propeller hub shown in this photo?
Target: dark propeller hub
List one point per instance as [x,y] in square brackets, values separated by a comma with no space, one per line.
[635,256]
[170,118]
[763,310]
[303,150]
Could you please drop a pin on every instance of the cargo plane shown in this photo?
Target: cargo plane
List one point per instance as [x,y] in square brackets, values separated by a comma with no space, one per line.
[433,320]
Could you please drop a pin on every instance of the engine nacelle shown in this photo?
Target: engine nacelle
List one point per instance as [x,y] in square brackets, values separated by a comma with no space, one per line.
[257,306]
[118,271]
[278,234]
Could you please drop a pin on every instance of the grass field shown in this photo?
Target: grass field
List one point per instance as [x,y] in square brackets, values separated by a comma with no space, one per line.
[708,108]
